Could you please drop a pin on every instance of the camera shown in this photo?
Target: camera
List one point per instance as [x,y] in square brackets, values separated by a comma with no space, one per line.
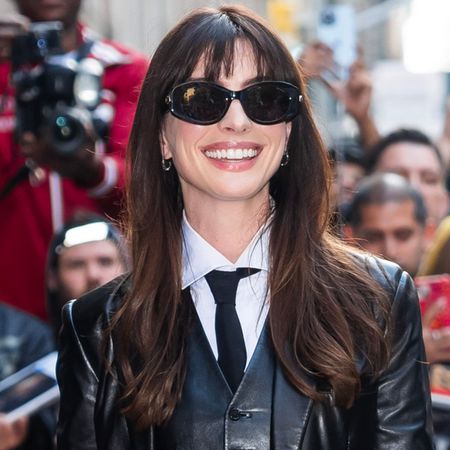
[56,94]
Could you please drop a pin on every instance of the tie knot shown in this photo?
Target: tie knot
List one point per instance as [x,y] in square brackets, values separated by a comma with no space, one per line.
[224,285]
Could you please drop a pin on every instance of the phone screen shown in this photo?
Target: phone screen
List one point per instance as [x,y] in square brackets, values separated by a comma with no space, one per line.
[24,391]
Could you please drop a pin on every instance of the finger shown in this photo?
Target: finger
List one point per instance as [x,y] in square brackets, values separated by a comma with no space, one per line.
[319,45]
[12,25]
[27,143]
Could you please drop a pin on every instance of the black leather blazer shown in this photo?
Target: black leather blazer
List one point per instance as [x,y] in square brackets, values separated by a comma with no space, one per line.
[392,413]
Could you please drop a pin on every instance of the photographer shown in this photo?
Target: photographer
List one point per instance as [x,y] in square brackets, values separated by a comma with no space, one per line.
[41,184]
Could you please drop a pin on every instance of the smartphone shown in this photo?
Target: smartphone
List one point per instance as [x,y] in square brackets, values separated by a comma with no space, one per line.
[337,29]
[30,389]
[431,289]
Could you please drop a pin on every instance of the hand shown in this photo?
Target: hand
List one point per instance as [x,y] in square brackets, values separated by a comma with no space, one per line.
[356,93]
[437,341]
[316,58]
[83,166]
[12,434]
[11,26]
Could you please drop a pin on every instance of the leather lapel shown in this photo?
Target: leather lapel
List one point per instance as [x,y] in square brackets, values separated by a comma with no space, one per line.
[291,411]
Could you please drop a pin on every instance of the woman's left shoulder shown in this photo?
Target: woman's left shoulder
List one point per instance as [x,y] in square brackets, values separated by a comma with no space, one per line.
[99,305]
[391,277]
[387,273]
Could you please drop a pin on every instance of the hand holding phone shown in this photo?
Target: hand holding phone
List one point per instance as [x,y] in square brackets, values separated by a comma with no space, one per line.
[337,29]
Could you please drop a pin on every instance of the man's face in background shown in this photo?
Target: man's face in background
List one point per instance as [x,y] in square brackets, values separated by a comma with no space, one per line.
[419,164]
[65,11]
[84,267]
[392,231]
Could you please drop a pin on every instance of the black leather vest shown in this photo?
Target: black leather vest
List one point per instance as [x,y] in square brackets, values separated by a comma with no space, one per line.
[208,415]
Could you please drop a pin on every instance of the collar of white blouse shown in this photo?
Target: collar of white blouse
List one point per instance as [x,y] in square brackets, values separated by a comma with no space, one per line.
[200,258]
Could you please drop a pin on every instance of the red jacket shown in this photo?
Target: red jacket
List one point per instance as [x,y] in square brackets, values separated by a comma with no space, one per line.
[32,211]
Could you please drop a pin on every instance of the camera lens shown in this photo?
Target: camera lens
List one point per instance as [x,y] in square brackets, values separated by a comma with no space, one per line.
[65,128]
[68,130]
[328,17]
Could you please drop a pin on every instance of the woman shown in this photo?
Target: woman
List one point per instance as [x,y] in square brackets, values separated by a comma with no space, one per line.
[228,174]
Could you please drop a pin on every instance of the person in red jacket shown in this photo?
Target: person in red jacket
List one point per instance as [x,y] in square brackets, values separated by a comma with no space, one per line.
[56,187]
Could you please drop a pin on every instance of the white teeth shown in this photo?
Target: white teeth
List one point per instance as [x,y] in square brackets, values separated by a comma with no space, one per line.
[232,154]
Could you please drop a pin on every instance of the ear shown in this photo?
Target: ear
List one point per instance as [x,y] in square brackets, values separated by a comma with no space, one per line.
[288,131]
[164,143]
[52,281]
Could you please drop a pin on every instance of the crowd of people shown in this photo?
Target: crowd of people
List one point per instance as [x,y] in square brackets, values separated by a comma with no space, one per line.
[238,205]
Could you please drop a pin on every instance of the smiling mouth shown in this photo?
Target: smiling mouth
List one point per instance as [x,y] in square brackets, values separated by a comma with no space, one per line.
[232,154]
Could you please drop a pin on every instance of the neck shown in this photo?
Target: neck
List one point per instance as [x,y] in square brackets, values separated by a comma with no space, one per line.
[228,226]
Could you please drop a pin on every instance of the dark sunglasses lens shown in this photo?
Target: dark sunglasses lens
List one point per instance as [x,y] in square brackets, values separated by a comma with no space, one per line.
[268,102]
[199,103]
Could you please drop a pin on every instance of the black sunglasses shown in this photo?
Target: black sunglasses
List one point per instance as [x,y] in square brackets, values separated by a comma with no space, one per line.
[205,103]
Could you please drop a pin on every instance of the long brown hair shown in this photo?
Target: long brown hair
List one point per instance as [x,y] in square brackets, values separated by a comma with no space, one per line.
[322,300]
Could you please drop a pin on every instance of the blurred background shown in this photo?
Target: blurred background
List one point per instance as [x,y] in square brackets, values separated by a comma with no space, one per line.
[405,43]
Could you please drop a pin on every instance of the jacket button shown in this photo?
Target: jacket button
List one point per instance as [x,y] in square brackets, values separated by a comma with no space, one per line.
[234,414]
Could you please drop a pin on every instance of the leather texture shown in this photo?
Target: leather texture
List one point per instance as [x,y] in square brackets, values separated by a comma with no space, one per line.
[266,412]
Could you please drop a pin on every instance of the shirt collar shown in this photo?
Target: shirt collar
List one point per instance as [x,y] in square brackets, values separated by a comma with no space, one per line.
[199,257]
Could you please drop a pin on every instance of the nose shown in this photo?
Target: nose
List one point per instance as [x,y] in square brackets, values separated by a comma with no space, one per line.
[93,275]
[391,249]
[235,119]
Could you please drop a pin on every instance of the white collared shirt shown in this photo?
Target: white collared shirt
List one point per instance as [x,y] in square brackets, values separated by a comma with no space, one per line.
[200,258]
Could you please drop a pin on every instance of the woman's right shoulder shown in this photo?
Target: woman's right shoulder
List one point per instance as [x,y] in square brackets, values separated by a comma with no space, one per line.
[95,308]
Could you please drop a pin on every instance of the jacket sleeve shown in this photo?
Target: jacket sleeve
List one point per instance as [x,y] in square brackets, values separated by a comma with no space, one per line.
[403,399]
[78,385]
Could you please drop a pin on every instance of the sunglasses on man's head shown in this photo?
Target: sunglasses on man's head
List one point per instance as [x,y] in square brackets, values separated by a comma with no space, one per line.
[205,103]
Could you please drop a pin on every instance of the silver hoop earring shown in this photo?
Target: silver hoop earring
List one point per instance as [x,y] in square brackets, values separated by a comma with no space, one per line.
[284,159]
[166,164]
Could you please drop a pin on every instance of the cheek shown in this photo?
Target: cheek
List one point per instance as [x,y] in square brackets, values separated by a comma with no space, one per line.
[180,137]
[72,279]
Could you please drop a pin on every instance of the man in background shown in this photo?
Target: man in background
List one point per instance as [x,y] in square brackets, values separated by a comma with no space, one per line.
[411,154]
[86,253]
[387,217]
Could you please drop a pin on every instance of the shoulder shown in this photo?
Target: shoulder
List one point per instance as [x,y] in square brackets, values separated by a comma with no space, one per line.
[84,322]
[388,274]
[96,307]
[397,284]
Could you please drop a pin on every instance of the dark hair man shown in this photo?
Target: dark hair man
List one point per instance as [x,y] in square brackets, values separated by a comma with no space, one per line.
[413,155]
[85,254]
[388,218]
[54,186]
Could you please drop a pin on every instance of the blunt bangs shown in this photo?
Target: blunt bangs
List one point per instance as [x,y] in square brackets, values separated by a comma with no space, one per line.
[216,35]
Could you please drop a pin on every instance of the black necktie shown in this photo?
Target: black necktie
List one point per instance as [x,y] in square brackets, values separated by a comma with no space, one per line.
[230,340]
